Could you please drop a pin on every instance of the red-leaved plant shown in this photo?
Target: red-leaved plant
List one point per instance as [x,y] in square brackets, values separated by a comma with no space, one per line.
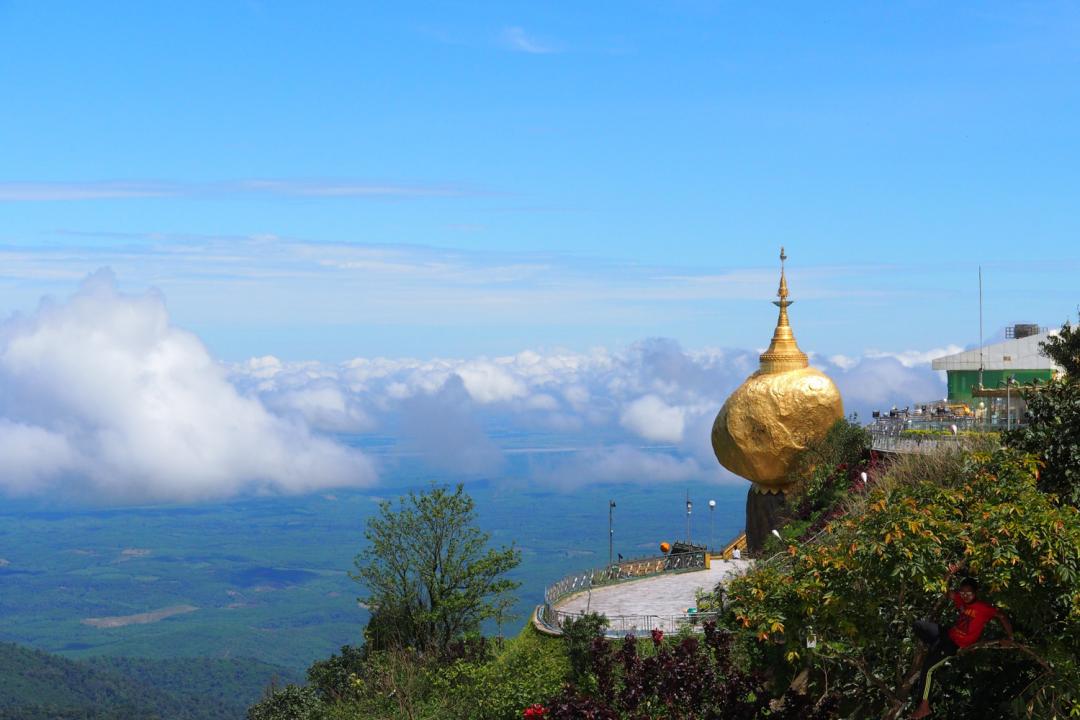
[689,680]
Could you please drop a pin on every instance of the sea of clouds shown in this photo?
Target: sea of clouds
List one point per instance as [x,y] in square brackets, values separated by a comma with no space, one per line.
[102,399]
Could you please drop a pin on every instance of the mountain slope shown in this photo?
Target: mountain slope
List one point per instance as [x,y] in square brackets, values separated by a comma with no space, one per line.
[35,685]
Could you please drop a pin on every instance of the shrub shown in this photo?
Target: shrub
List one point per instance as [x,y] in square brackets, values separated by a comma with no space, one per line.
[1052,434]
[859,588]
[292,702]
[578,634]
[693,677]
[526,672]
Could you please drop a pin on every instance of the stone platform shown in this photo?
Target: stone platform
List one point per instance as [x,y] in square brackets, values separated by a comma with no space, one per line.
[661,596]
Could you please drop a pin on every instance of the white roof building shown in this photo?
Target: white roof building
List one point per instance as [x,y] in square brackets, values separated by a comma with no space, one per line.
[1016,354]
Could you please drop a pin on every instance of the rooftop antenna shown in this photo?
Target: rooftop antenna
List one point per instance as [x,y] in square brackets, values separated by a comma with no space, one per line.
[980,330]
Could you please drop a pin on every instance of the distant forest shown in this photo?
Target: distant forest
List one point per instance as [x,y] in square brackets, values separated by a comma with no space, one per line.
[35,685]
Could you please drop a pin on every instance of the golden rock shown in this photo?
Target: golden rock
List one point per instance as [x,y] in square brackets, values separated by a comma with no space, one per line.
[771,417]
[777,412]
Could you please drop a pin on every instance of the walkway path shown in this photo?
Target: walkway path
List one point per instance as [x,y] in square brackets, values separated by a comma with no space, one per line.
[663,595]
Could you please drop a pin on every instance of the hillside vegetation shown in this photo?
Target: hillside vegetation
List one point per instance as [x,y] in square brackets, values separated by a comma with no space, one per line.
[37,686]
[884,563]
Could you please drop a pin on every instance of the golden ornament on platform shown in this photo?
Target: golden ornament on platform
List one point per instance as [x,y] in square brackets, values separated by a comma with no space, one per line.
[777,412]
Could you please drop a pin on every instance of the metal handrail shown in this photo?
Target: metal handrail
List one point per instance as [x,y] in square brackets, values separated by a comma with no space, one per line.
[901,423]
[894,434]
[634,569]
[636,625]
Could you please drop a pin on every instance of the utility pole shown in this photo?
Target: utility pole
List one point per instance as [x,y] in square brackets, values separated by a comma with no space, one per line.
[610,533]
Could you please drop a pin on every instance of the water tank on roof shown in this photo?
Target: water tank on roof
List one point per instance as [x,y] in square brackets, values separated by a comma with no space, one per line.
[1023,330]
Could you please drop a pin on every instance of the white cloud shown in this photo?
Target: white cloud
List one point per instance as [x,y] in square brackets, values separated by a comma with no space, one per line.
[104,399]
[516,38]
[31,457]
[451,411]
[488,383]
[577,395]
[843,361]
[345,188]
[542,402]
[883,382]
[270,281]
[323,405]
[23,192]
[653,419]
[107,190]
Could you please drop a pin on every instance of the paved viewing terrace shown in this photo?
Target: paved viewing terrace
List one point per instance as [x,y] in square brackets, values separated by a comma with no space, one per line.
[638,606]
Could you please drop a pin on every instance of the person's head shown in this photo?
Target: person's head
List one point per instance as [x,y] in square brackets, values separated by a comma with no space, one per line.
[969,588]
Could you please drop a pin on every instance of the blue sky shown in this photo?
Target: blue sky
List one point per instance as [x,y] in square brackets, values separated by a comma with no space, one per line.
[332,180]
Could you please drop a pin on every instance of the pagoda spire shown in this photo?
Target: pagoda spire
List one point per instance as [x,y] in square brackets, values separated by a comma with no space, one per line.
[783,353]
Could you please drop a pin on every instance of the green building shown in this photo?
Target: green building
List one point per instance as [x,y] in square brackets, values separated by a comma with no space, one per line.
[1017,359]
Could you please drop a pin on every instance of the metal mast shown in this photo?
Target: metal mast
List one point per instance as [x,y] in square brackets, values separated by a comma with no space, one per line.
[980,330]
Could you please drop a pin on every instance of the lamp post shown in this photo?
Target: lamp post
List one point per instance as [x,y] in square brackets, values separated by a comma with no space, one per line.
[1008,405]
[1009,382]
[689,508]
[712,509]
[610,532]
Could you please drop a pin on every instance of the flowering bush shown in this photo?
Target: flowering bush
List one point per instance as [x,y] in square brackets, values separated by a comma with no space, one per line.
[874,571]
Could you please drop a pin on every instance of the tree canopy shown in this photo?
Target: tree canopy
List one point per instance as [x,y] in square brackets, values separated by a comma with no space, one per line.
[842,607]
[1064,349]
[428,573]
[1051,431]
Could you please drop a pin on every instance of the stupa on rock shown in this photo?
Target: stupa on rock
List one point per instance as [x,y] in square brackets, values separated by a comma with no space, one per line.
[769,419]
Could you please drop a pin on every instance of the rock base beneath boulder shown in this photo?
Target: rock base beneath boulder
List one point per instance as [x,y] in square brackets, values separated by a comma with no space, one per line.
[762,513]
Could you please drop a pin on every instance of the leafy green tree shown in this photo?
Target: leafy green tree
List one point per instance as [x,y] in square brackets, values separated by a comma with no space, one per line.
[845,444]
[579,634]
[429,576]
[1064,349]
[334,678]
[856,592]
[824,474]
[1052,429]
[1052,433]
[292,702]
[527,670]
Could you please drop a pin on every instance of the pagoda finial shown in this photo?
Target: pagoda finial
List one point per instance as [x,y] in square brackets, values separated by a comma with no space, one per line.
[782,293]
[783,353]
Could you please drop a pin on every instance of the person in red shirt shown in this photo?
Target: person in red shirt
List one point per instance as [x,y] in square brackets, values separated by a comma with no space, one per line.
[946,641]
